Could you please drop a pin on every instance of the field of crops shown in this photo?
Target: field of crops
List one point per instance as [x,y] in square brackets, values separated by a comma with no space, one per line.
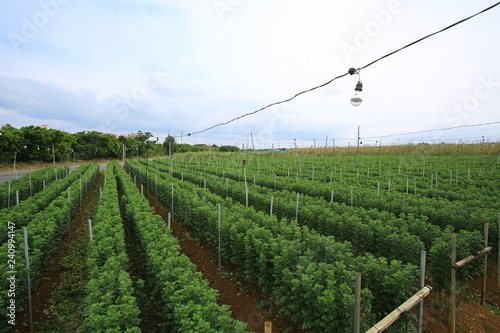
[297,227]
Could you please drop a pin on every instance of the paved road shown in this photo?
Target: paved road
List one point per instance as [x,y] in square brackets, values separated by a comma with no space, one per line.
[5,176]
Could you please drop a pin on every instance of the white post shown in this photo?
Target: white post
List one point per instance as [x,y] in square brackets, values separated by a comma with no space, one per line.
[90,229]
[453,282]
[219,238]
[297,208]
[423,256]
[156,187]
[331,200]
[142,189]
[352,195]
[172,206]
[169,219]
[80,179]
[271,210]
[26,256]
[357,303]
[17,198]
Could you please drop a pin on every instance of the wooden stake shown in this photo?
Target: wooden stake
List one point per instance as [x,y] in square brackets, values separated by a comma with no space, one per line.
[268,327]
[483,290]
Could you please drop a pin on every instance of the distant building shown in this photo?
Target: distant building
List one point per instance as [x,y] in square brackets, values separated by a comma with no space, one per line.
[45,126]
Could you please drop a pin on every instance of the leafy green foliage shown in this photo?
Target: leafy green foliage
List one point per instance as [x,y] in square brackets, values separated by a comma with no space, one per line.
[29,185]
[110,304]
[283,256]
[184,297]
[45,231]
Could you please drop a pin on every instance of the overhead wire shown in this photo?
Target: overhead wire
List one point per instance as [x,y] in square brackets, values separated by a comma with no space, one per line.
[345,74]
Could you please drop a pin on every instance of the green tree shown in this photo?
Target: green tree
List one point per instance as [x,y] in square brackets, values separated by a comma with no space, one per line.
[41,144]
[11,141]
[90,145]
[169,145]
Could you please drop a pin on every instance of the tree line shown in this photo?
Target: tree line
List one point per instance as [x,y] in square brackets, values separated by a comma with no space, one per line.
[35,143]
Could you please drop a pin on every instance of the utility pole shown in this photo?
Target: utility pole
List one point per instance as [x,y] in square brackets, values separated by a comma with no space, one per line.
[253,147]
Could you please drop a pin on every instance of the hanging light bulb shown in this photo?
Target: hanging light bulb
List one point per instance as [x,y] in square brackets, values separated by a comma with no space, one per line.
[356,99]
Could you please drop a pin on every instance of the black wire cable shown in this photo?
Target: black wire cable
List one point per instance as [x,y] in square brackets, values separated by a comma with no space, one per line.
[340,76]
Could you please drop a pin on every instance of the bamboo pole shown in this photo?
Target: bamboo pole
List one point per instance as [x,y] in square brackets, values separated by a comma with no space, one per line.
[397,313]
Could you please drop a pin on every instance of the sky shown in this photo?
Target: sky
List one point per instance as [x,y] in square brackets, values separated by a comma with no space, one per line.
[180,67]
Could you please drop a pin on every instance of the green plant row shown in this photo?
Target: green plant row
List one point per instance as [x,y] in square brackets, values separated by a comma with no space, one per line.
[481,188]
[310,276]
[369,230]
[186,301]
[441,212]
[368,171]
[22,214]
[45,231]
[110,304]
[29,185]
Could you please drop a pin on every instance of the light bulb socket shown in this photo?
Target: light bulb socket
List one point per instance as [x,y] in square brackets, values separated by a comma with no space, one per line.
[359,86]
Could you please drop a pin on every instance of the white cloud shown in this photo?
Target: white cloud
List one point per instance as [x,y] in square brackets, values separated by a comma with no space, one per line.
[218,67]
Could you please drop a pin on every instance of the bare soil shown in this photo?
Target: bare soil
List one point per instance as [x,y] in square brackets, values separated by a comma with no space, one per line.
[470,316]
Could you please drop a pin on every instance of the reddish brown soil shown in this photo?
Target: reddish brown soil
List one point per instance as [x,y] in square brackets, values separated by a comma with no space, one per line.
[471,316]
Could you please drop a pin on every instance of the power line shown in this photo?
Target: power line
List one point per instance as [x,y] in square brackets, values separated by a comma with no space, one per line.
[392,135]
[340,76]
[433,130]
